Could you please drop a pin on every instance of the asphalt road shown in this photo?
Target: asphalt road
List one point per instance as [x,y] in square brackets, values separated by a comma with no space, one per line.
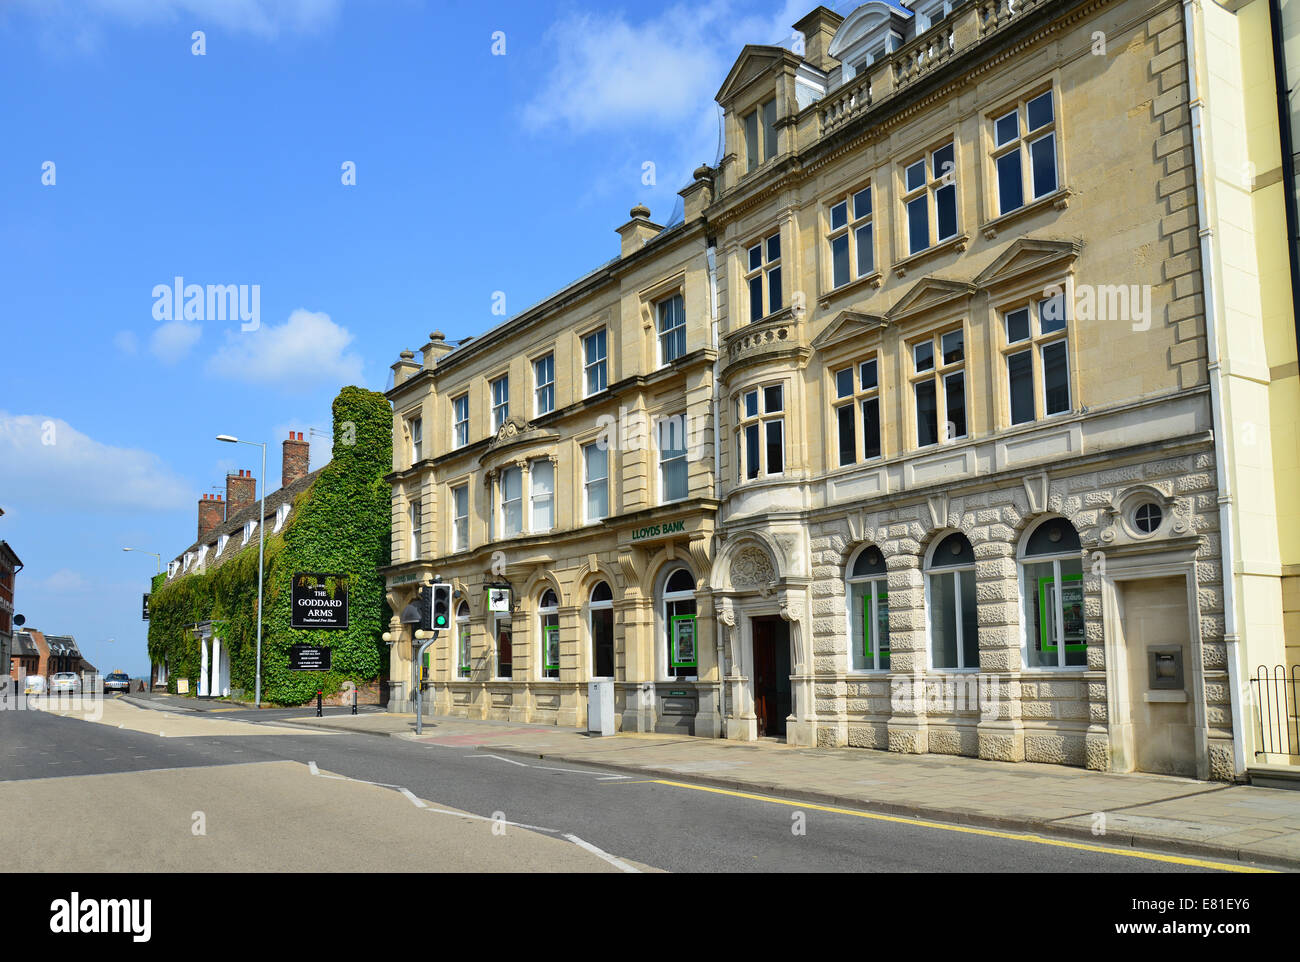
[676,829]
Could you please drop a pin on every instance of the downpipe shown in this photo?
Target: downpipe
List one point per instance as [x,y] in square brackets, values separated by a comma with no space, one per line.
[1214,369]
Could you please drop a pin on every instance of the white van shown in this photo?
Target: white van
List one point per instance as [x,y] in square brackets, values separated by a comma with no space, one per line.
[34,685]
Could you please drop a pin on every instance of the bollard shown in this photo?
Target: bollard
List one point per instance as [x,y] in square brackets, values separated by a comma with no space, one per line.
[354,701]
[319,713]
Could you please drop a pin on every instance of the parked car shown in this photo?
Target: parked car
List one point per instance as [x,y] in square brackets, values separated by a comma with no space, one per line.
[34,685]
[65,681]
[117,681]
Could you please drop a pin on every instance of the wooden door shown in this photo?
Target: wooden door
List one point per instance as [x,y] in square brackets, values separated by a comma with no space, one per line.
[765,706]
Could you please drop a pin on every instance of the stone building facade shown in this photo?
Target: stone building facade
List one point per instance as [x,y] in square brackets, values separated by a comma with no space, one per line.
[959,487]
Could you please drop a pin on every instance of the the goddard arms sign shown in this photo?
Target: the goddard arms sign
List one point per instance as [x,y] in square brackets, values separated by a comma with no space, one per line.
[319,600]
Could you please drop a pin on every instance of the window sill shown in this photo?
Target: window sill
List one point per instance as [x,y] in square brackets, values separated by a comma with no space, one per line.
[872,280]
[952,245]
[1058,199]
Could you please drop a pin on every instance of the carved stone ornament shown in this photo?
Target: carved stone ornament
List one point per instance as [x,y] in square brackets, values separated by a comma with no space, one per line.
[751,568]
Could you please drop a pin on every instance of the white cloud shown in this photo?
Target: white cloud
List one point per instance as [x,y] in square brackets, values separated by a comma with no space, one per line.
[305,350]
[172,341]
[64,580]
[47,464]
[608,72]
[126,342]
[79,20]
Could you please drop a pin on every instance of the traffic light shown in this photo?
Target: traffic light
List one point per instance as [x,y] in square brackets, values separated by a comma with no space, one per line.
[441,607]
[425,603]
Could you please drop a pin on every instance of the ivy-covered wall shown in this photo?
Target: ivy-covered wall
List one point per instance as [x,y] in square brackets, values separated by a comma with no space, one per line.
[340,525]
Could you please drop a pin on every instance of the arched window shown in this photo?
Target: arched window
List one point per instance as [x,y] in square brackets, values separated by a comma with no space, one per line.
[462,639]
[1051,582]
[868,596]
[601,611]
[950,585]
[549,624]
[679,624]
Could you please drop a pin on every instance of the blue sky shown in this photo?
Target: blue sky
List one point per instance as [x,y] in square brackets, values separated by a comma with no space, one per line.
[475,173]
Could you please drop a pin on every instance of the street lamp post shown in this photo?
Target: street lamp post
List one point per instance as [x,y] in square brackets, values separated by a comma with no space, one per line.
[261,545]
[157,556]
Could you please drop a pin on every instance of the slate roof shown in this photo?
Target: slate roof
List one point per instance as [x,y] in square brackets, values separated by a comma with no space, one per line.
[24,646]
[234,526]
[65,646]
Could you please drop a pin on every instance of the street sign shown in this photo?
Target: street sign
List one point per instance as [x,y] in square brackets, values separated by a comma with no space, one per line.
[144,607]
[319,600]
[309,658]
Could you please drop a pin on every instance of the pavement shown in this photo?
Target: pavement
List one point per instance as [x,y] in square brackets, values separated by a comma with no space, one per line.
[1153,812]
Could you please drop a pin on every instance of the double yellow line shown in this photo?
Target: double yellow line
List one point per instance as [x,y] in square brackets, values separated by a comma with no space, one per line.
[965,829]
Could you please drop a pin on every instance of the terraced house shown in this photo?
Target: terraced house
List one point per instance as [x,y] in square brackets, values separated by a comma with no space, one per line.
[984,347]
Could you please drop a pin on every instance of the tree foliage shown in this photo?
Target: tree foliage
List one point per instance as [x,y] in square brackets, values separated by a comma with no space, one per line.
[341,524]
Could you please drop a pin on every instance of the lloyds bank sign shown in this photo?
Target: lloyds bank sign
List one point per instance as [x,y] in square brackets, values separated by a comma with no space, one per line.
[659,530]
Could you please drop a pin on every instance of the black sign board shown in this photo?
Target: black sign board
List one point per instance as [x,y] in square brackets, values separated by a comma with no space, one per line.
[309,658]
[319,601]
[144,607]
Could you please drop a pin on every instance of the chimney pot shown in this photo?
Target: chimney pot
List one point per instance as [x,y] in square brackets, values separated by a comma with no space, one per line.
[294,460]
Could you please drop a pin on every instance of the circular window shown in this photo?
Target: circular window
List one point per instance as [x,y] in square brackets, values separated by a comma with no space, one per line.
[1147,517]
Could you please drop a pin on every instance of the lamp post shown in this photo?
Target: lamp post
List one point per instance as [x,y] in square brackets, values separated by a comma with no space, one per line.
[157,556]
[261,544]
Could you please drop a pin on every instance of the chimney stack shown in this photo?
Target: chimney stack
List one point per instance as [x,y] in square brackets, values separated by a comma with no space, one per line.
[294,465]
[818,29]
[211,514]
[637,231]
[241,491]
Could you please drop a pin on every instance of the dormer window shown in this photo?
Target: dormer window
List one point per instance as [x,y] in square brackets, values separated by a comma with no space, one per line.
[760,134]
[870,33]
[249,528]
[189,557]
[221,543]
[928,13]
[203,553]
[281,513]
[172,568]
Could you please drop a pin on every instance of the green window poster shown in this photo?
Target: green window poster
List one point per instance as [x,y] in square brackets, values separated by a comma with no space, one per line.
[880,629]
[1070,600]
[552,647]
[684,653]
[464,651]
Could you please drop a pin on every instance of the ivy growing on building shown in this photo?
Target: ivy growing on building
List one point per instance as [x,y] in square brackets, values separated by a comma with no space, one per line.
[340,525]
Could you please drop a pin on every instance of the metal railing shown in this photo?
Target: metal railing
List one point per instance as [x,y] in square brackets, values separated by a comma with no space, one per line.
[1275,690]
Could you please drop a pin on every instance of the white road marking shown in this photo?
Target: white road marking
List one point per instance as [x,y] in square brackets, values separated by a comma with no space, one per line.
[412,799]
[575,771]
[499,758]
[616,862]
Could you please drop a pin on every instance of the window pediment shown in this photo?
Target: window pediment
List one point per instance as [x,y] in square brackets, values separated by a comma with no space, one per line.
[1027,256]
[847,325]
[517,439]
[755,61]
[930,294]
